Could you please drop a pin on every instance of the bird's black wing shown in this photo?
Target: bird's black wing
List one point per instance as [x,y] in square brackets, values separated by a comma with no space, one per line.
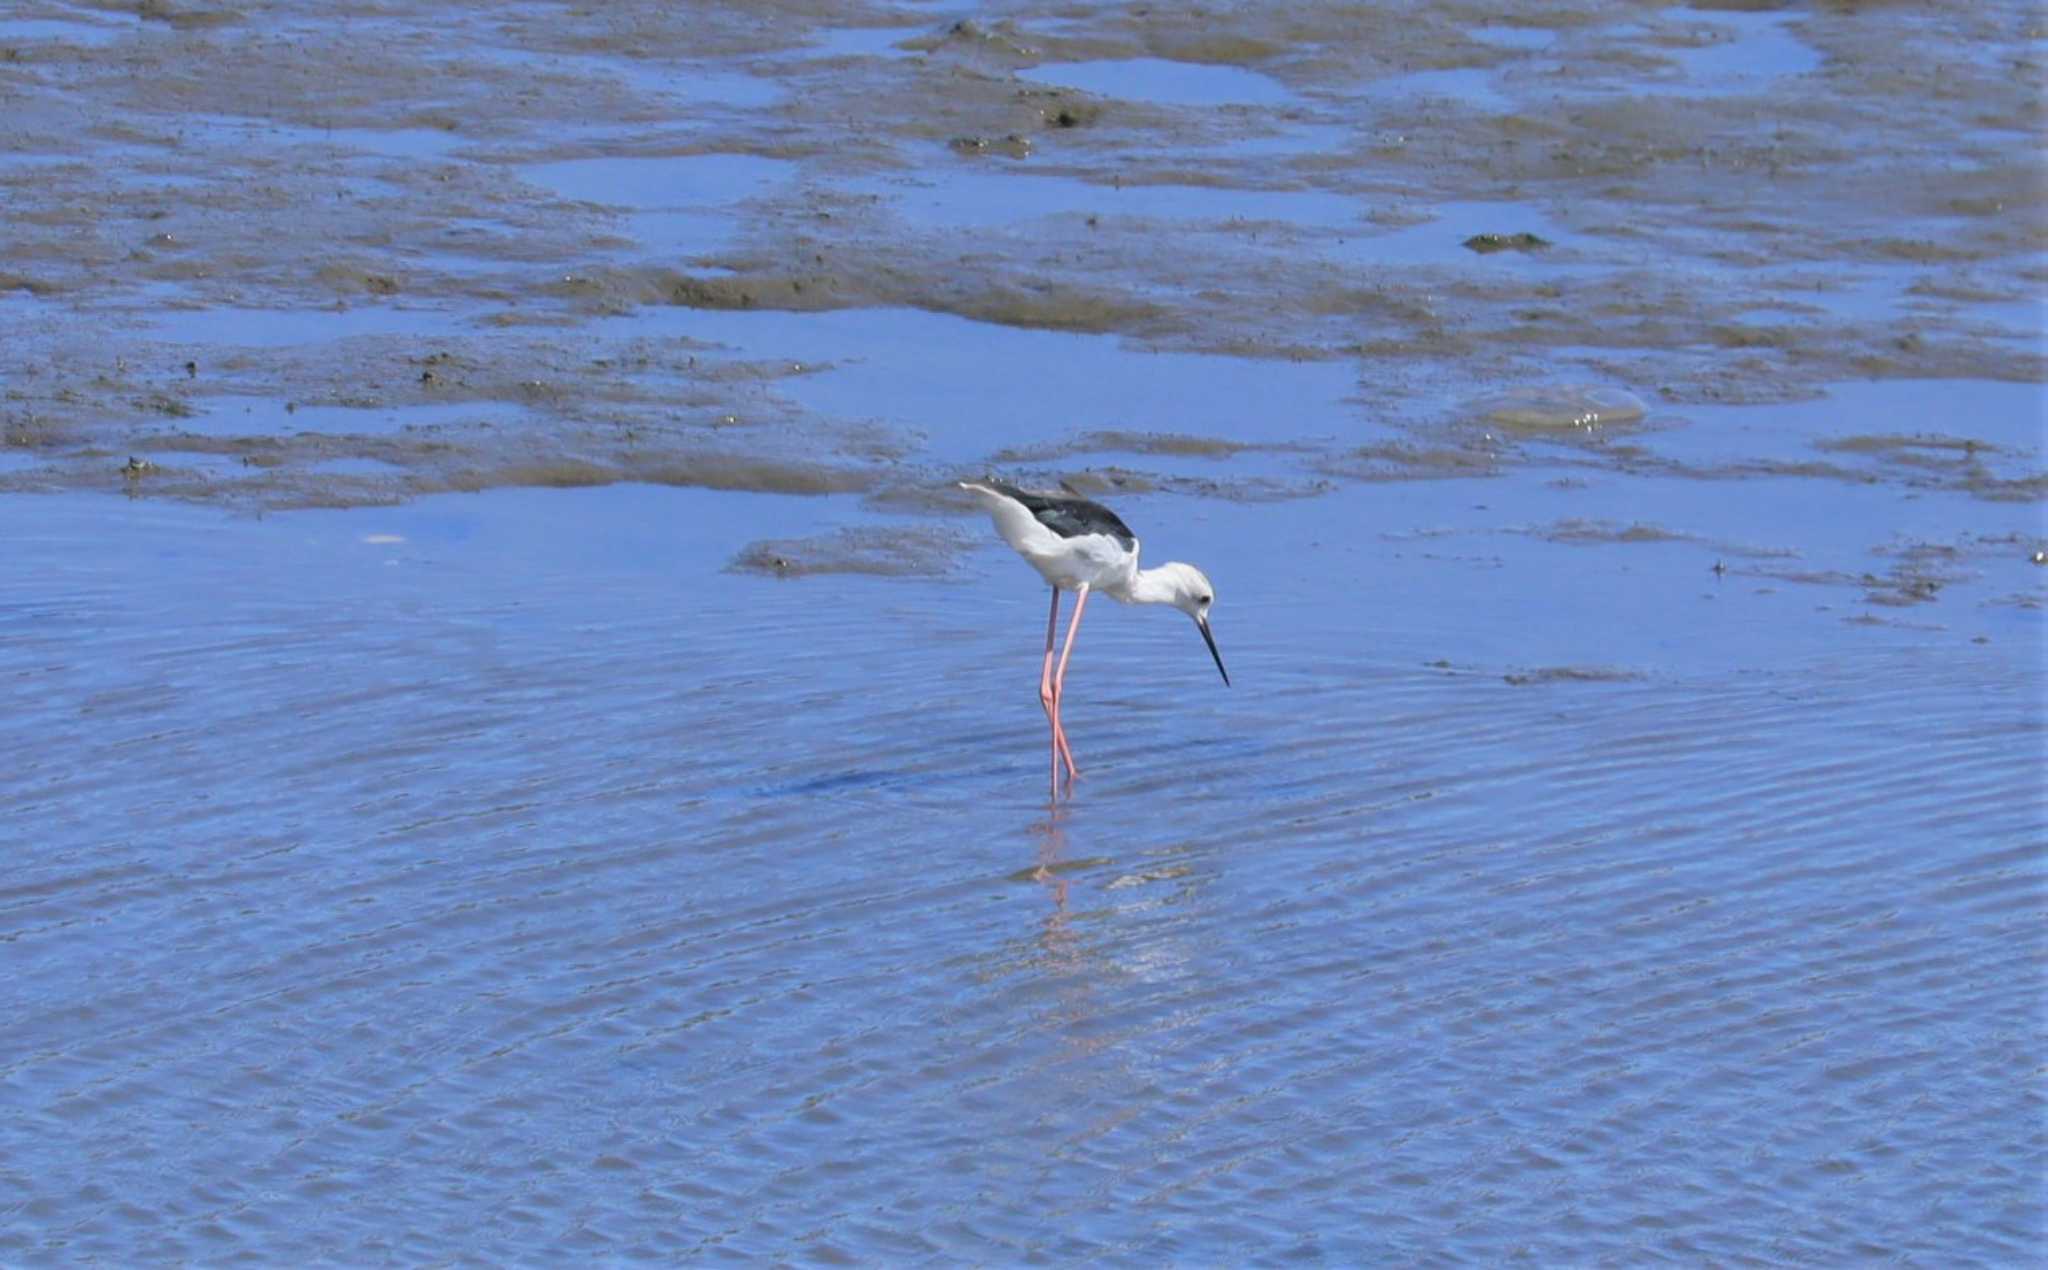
[1068,516]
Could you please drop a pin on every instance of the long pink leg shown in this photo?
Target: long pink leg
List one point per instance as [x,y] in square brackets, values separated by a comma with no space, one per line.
[1045,697]
[1060,737]
[1048,697]
[1059,683]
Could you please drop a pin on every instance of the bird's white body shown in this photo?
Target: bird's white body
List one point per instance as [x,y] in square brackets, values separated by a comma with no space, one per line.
[1097,561]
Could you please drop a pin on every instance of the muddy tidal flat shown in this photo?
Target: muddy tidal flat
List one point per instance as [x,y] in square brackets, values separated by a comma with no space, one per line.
[517,751]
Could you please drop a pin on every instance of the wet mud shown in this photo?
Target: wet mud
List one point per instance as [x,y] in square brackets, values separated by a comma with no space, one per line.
[494,212]
[898,552]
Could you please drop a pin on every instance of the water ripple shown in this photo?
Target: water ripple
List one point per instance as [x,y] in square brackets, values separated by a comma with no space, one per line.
[523,922]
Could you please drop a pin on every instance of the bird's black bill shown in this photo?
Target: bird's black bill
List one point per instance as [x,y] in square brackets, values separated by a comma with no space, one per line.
[1210,640]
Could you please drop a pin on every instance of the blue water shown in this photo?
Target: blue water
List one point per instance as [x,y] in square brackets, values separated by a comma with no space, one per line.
[1615,846]
[497,877]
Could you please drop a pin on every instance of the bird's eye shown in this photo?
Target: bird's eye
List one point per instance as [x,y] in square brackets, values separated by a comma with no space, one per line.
[1204,600]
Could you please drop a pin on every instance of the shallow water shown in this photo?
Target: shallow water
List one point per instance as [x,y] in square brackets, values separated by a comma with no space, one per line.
[1621,840]
[486,875]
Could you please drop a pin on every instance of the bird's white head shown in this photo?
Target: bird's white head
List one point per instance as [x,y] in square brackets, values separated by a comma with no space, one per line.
[1185,587]
[1188,589]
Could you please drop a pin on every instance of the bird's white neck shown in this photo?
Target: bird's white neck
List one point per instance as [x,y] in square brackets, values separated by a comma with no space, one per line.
[1150,586]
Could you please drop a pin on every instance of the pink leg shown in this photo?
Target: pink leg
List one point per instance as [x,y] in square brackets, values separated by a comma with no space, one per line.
[1052,625]
[1048,699]
[1060,737]
[1059,684]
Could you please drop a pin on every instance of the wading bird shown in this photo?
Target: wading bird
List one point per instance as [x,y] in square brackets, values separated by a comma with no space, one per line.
[1081,546]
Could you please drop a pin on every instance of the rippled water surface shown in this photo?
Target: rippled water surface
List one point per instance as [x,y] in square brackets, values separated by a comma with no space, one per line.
[489,875]
[515,752]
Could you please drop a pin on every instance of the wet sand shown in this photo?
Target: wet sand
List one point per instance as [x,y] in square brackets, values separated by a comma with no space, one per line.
[522,753]
[502,242]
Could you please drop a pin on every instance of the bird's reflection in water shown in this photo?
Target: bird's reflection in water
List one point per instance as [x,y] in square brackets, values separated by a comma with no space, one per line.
[1051,837]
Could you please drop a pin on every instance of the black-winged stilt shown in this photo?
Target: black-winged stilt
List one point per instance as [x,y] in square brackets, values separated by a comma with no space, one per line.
[1081,546]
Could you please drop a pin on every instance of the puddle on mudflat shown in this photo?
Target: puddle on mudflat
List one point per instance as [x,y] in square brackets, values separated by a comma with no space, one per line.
[979,387]
[1126,442]
[1682,53]
[73,29]
[856,41]
[1730,48]
[662,182]
[1515,37]
[1992,431]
